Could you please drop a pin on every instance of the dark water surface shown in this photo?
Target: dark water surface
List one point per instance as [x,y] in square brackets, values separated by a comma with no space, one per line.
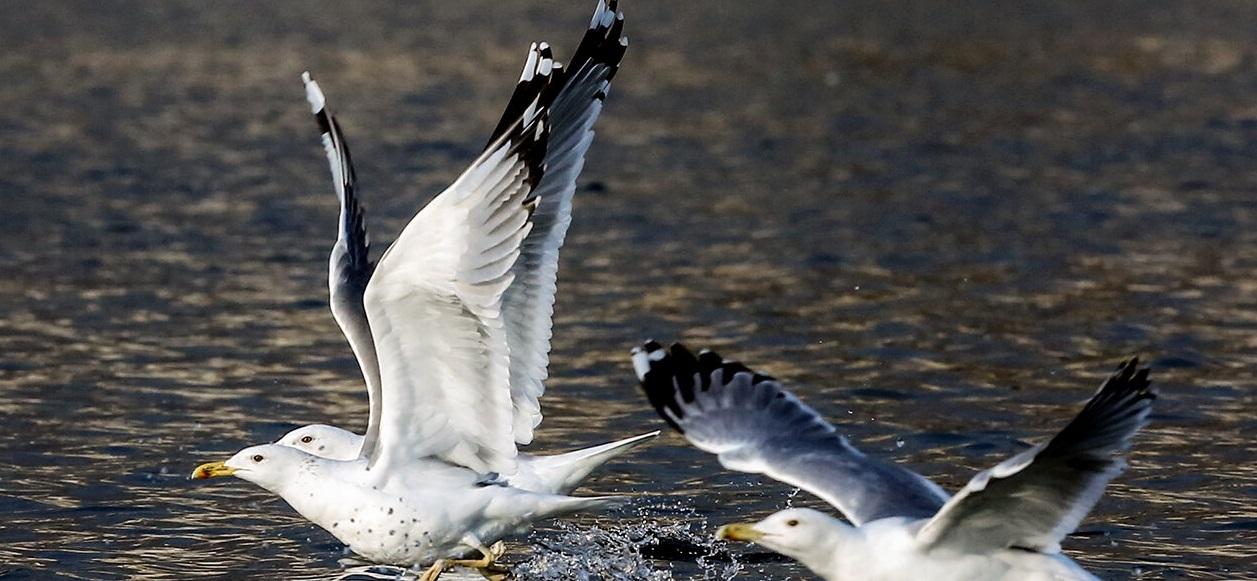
[941,222]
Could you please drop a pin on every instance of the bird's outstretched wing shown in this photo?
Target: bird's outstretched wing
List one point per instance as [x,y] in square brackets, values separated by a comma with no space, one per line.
[1032,500]
[435,307]
[349,268]
[754,425]
[528,305]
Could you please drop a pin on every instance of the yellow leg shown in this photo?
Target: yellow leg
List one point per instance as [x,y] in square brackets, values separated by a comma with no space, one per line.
[486,560]
[434,572]
[495,572]
[486,564]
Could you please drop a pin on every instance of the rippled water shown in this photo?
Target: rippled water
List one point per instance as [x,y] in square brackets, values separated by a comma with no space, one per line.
[942,222]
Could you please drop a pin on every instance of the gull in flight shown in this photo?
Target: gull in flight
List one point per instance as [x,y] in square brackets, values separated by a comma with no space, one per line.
[1005,524]
[451,329]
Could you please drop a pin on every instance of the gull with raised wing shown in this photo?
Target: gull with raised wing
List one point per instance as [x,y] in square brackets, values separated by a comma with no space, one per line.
[437,325]
[579,91]
[1006,524]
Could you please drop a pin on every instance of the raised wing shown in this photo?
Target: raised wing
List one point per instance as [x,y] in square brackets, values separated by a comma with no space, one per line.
[528,305]
[1032,500]
[754,425]
[349,268]
[435,308]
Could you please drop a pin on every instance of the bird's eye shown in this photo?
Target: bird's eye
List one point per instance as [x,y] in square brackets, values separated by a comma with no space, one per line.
[792,522]
[257,457]
[307,439]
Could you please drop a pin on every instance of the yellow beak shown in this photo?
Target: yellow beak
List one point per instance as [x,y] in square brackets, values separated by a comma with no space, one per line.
[211,470]
[739,532]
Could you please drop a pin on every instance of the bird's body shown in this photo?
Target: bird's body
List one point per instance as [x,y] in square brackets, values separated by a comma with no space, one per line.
[451,328]
[888,550]
[1006,524]
[428,511]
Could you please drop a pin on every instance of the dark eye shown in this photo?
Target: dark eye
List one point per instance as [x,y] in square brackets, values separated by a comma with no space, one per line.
[257,457]
[792,522]
[307,439]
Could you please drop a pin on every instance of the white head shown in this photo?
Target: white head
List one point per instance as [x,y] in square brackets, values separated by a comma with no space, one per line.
[808,536]
[270,466]
[324,441]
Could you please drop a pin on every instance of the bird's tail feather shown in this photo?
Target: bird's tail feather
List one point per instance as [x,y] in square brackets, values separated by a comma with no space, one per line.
[561,473]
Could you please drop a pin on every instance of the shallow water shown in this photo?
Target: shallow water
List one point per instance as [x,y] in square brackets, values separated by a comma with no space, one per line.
[942,223]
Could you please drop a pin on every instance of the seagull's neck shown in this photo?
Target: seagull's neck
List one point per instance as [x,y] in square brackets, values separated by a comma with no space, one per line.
[319,488]
[871,551]
[825,549]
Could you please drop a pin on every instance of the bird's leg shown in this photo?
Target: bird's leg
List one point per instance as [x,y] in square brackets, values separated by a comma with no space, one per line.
[486,564]
[435,570]
[488,556]
[496,572]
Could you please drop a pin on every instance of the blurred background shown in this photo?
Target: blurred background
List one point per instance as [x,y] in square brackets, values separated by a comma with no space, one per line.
[941,223]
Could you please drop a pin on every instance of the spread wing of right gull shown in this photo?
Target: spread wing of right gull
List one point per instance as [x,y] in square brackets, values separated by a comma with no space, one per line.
[754,425]
[349,267]
[577,93]
[1032,500]
[435,307]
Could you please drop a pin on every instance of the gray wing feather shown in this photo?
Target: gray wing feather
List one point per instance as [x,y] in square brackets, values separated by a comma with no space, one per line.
[754,425]
[577,94]
[1032,500]
[349,267]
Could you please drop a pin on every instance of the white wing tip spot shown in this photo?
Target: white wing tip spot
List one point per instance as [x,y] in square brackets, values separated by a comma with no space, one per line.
[313,93]
[642,360]
[641,363]
[530,65]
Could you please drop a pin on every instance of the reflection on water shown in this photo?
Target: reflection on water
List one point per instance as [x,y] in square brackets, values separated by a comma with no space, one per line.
[941,223]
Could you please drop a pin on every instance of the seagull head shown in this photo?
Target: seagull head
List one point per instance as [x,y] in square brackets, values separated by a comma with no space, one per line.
[270,466]
[809,536]
[324,441]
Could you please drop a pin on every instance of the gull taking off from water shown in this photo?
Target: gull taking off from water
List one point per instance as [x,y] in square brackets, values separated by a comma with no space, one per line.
[528,302]
[451,329]
[1006,524]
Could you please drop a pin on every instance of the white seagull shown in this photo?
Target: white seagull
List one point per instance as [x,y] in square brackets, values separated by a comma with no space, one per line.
[1006,524]
[452,330]
[528,302]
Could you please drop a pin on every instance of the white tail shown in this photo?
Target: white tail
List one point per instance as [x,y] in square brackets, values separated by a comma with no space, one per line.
[561,473]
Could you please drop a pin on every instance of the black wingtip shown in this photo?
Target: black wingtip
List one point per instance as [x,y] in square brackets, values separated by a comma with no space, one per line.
[604,42]
[534,146]
[534,89]
[1110,418]
[1130,378]
[544,78]
[672,378]
[655,369]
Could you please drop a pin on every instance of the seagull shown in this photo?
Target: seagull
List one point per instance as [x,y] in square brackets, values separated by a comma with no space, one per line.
[529,300]
[451,329]
[1005,524]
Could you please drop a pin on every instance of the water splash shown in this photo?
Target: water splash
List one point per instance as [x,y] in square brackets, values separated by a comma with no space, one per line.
[632,549]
